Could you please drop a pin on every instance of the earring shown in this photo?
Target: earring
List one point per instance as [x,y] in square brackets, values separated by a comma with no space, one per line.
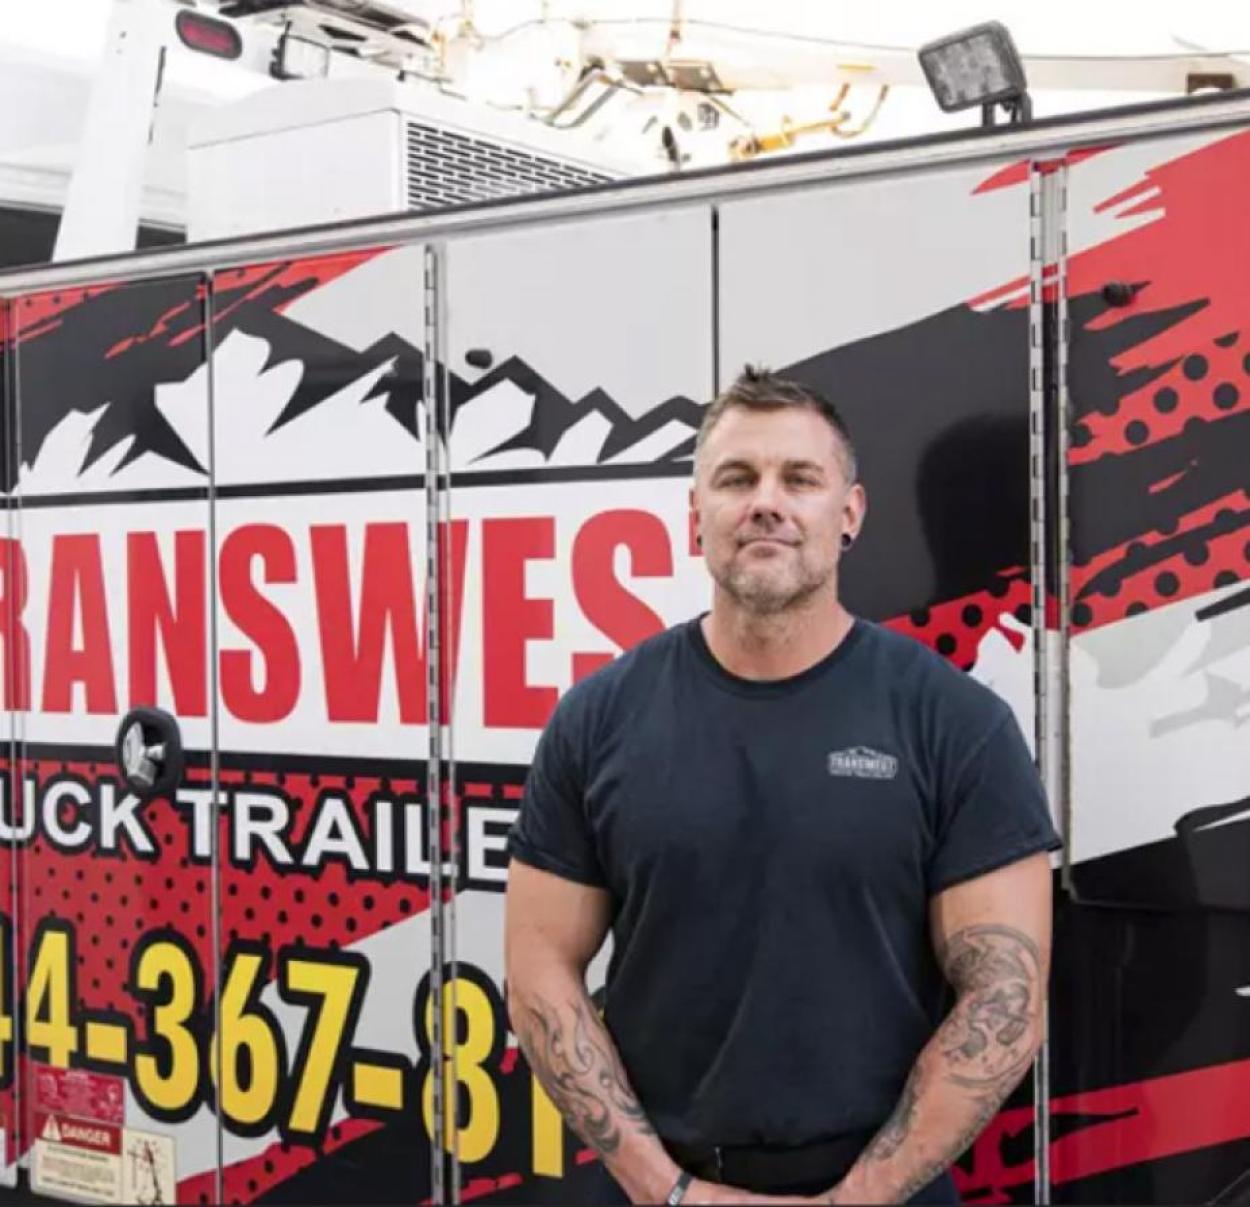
[847,541]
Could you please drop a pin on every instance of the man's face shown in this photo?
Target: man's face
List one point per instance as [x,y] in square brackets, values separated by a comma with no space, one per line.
[772,501]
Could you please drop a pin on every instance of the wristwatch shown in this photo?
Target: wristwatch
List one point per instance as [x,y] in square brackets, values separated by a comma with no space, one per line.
[678,1192]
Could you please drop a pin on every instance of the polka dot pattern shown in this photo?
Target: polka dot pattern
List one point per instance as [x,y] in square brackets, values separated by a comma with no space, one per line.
[1207,550]
[1211,385]
[955,628]
[323,907]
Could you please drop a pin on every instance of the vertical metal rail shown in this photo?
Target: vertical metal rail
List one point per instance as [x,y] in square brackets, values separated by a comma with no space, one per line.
[1049,548]
[1038,561]
[715,223]
[433,781]
[447,716]
[1063,526]
[16,689]
[214,765]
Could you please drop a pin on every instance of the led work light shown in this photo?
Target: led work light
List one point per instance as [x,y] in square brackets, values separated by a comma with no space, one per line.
[978,66]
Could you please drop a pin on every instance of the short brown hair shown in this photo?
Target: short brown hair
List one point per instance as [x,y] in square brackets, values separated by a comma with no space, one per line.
[760,389]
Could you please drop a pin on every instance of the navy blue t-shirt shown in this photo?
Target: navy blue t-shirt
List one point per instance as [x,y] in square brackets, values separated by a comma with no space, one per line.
[771,849]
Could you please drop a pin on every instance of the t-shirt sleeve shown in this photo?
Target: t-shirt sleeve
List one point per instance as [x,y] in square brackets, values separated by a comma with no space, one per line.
[992,811]
[552,831]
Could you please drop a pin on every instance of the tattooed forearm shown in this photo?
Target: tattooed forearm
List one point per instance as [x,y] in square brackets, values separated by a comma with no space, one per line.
[987,1038]
[897,1128]
[986,1108]
[961,1078]
[574,1058]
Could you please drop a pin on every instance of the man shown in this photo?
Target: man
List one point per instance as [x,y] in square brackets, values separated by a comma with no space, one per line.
[804,832]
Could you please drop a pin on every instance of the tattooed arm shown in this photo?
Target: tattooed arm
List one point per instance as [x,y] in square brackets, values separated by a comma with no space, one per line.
[992,937]
[553,929]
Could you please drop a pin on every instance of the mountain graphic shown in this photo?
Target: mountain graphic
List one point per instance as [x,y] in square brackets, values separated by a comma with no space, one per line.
[112,352]
[555,413]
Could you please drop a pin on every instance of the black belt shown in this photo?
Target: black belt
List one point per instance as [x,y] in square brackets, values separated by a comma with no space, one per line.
[765,1168]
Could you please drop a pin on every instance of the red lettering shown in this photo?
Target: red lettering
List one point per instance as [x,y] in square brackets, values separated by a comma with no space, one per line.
[76,600]
[451,607]
[180,623]
[351,652]
[618,615]
[261,622]
[512,619]
[13,591]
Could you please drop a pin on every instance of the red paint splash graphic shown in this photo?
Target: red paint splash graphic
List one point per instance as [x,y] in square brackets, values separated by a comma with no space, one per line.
[1018,172]
[1014,293]
[39,313]
[478,1188]
[956,627]
[1193,252]
[1117,1128]
[236,287]
[1196,249]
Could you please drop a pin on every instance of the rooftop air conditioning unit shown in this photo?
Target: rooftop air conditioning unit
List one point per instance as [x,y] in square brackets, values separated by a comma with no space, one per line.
[317,151]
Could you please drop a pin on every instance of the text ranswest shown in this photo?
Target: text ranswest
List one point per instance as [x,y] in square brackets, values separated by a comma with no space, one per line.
[347,597]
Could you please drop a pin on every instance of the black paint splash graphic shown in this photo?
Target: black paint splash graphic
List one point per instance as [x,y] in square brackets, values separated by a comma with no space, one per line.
[1148,489]
[938,408]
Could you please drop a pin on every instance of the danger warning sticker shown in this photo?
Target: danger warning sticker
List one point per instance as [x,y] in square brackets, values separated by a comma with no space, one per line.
[79,1133]
[76,1158]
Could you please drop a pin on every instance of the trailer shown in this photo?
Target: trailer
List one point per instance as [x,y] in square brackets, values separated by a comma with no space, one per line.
[306,534]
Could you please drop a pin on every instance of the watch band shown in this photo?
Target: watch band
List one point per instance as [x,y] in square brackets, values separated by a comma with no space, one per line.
[678,1192]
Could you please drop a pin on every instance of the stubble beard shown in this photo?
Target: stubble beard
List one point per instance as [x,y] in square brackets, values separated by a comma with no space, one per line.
[766,595]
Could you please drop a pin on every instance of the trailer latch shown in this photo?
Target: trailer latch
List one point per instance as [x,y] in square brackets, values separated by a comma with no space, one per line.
[149,752]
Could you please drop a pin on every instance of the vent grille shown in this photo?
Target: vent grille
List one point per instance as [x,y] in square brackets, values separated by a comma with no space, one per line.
[449,168]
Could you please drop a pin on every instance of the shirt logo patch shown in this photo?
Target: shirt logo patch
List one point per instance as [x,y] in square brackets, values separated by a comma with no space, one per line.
[862,762]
